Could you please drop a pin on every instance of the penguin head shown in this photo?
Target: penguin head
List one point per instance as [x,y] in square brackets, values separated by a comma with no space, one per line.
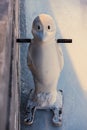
[43,28]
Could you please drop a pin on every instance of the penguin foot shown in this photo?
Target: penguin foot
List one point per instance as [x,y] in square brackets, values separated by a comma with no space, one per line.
[30,116]
[57,117]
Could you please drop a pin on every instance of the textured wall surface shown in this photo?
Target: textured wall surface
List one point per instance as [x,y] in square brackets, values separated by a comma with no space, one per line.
[71,22]
[8,70]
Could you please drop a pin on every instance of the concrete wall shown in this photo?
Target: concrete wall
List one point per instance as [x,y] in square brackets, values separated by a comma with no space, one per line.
[9,96]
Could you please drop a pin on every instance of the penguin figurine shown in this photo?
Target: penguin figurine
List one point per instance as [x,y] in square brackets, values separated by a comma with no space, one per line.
[45,60]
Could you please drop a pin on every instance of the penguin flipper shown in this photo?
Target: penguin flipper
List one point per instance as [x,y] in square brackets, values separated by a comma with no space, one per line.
[29,61]
[60,56]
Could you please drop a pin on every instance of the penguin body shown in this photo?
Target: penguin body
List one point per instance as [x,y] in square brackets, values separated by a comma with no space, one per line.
[45,60]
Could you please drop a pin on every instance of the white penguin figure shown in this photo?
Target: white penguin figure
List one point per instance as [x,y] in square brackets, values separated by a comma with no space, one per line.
[45,60]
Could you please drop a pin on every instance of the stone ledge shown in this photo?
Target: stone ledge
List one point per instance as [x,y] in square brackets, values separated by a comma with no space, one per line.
[9,96]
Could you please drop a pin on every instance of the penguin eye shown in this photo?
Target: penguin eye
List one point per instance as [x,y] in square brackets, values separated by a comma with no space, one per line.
[48,26]
[38,27]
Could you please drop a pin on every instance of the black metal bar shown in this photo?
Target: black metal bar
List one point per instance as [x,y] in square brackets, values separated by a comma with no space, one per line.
[19,40]
[23,40]
[64,40]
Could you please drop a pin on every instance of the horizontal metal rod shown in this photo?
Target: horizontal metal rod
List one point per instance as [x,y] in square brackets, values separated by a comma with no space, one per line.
[64,40]
[23,40]
[19,40]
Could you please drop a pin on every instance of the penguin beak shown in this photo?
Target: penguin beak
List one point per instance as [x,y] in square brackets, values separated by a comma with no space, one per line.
[42,36]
